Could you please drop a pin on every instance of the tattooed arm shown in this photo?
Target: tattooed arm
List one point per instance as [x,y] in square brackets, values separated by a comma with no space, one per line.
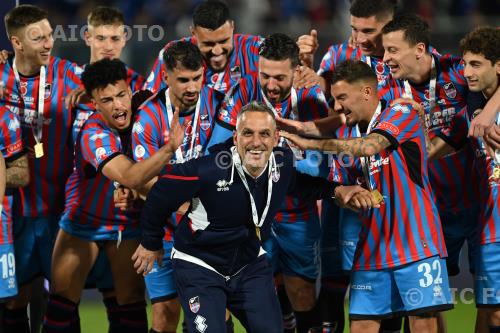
[18,172]
[367,146]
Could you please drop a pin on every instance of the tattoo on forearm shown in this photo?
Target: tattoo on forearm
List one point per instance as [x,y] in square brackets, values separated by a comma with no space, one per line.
[18,172]
[367,146]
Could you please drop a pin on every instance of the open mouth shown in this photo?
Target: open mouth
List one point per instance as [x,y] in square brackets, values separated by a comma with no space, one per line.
[255,152]
[120,117]
[393,68]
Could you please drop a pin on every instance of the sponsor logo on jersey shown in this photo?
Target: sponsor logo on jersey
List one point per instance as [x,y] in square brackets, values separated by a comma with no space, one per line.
[222,185]
[98,136]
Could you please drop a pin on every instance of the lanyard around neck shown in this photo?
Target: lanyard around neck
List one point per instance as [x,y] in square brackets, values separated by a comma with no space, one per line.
[37,131]
[180,158]
[271,168]
[365,159]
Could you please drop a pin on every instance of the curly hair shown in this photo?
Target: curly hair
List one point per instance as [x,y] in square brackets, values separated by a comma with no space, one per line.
[483,40]
[100,74]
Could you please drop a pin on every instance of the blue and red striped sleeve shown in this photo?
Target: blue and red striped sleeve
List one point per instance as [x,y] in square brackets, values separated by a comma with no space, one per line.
[147,135]
[243,93]
[99,146]
[398,124]
[11,143]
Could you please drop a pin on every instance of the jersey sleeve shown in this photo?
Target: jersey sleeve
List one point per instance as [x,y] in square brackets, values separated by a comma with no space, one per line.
[146,133]
[99,146]
[398,124]
[312,104]
[180,184]
[154,82]
[237,97]
[11,143]
[327,64]
[72,77]
[136,80]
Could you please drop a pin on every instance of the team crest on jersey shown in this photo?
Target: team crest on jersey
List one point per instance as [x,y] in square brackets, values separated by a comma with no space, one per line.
[494,179]
[450,90]
[426,95]
[48,90]
[235,73]
[204,122]
[24,88]
[194,304]
[139,151]
[214,78]
[379,68]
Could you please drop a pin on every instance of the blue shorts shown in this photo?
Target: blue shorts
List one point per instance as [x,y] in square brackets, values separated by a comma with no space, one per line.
[413,289]
[331,259]
[293,248]
[250,295]
[100,276]
[92,234]
[487,277]
[8,283]
[33,244]
[350,227]
[160,281]
[457,228]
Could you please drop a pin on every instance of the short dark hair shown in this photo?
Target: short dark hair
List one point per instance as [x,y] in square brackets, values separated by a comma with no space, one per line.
[185,53]
[483,40]
[415,29]
[352,71]
[369,8]
[211,14]
[255,106]
[100,74]
[279,46]
[104,15]
[22,16]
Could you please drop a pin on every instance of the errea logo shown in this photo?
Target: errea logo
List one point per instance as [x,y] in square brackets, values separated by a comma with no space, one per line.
[222,185]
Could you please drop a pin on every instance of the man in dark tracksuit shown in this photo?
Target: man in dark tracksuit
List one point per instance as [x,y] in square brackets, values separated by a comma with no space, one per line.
[217,257]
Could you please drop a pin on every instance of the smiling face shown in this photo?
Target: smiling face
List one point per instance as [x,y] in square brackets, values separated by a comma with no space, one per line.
[350,99]
[480,73]
[185,86]
[114,102]
[255,137]
[215,45]
[34,42]
[105,41]
[400,56]
[276,78]
[367,34]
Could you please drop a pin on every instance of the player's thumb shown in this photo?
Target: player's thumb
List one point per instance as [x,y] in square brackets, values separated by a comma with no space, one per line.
[314,33]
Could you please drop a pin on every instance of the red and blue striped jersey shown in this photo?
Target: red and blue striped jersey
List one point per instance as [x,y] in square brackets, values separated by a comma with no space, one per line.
[451,182]
[90,193]
[244,59]
[152,124]
[487,170]
[83,111]
[406,228]
[44,196]
[311,104]
[11,147]
[338,53]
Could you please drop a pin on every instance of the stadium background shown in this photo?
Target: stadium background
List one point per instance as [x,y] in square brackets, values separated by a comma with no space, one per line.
[154,22]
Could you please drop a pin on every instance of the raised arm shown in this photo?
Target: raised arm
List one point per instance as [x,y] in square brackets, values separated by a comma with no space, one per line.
[370,145]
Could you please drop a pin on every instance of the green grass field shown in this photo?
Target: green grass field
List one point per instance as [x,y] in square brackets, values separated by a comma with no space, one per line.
[93,318]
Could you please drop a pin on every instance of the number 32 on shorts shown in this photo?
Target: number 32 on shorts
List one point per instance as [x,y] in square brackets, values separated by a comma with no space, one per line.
[428,271]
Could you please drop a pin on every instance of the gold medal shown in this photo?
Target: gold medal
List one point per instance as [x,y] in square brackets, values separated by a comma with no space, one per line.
[257,232]
[377,196]
[38,150]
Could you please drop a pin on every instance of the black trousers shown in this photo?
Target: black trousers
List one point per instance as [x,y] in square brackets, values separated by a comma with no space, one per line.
[250,295]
